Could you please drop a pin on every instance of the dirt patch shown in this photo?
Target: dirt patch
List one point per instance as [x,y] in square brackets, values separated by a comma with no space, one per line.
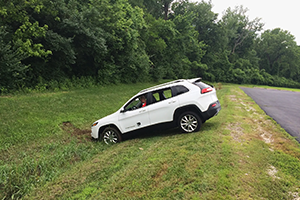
[236,131]
[158,176]
[81,135]
[294,195]
[233,97]
[272,171]
[267,137]
[248,108]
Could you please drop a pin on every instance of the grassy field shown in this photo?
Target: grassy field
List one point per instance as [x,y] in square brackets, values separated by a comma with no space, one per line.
[46,151]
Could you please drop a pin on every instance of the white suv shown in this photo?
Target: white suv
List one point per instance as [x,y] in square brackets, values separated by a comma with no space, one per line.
[184,103]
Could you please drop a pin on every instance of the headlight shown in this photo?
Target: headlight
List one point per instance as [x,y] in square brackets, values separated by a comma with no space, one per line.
[95,124]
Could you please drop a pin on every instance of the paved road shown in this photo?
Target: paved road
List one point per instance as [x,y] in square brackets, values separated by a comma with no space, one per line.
[282,106]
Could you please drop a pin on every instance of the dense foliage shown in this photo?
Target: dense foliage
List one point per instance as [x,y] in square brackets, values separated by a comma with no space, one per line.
[47,44]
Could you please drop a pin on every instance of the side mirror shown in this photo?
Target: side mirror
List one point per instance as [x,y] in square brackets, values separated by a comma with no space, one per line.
[122,111]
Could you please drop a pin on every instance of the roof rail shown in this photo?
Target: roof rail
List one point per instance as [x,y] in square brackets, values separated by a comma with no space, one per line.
[161,85]
[195,80]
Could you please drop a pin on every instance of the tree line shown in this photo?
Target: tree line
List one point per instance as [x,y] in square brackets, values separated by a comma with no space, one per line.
[59,42]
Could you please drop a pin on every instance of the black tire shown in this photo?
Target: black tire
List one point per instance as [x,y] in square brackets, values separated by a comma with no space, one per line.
[111,136]
[189,122]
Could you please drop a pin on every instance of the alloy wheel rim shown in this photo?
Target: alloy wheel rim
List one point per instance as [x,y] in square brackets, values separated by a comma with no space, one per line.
[189,123]
[110,137]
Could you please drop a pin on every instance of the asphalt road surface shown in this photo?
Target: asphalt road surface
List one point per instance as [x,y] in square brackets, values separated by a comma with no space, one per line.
[282,106]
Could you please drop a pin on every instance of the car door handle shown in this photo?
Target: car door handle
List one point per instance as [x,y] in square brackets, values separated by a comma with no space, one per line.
[141,111]
[172,102]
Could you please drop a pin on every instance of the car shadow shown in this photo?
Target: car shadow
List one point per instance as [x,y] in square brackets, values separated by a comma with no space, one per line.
[161,132]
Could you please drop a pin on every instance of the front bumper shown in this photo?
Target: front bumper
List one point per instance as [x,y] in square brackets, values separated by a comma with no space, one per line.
[94,132]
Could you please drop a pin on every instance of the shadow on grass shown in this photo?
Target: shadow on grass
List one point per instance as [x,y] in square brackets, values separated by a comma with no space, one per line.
[162,131]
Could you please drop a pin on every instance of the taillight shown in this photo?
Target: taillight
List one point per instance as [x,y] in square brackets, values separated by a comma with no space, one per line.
[213,105]
[205,90]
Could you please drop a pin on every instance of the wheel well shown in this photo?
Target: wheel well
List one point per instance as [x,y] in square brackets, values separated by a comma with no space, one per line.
[101,129]
[191,108]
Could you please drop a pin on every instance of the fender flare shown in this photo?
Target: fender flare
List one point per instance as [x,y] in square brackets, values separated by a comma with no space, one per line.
[192,108]
[101,128]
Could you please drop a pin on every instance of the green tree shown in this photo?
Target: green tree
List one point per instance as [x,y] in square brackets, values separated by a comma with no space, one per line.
[211,34]
[157,8]
[173,45]
[238,45]
[18,16]
[126,59]
[12,71]
[240,31]
[279,53]
[157,35]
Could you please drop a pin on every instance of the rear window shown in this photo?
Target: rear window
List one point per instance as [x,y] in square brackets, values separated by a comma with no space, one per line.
[202,85]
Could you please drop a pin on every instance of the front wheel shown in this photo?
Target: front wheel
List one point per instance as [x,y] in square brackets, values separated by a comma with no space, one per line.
[189,122]
[111,136]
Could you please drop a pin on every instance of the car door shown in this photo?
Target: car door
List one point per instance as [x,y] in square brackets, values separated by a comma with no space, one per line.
[162,111]
[134,116]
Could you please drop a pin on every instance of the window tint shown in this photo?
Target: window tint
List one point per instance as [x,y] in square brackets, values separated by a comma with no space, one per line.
[179,89]
[167,93]
[201,85]
[161,95]
[136,103]
[156,96]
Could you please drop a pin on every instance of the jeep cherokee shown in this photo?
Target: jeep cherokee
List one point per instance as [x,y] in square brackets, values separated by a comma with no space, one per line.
[184,103]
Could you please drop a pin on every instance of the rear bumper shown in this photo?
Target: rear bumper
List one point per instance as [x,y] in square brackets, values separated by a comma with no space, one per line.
[212,110]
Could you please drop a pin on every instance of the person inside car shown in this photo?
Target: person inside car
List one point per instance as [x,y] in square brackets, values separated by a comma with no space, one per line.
[143,100]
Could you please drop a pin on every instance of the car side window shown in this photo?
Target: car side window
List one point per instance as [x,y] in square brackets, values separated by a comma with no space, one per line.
[161,95]
[179,89]
[136,103]
[156,96]
[167,93]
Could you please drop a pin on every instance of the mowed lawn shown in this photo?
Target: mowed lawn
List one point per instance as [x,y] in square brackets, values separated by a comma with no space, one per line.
[46,151]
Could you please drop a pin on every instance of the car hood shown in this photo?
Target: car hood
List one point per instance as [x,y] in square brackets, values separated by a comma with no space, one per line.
[108,119]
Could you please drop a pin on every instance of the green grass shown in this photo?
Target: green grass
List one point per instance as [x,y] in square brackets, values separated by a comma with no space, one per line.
[46,151]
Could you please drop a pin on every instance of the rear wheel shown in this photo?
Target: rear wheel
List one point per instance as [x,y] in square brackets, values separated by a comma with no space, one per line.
[111,136]
[189,122]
